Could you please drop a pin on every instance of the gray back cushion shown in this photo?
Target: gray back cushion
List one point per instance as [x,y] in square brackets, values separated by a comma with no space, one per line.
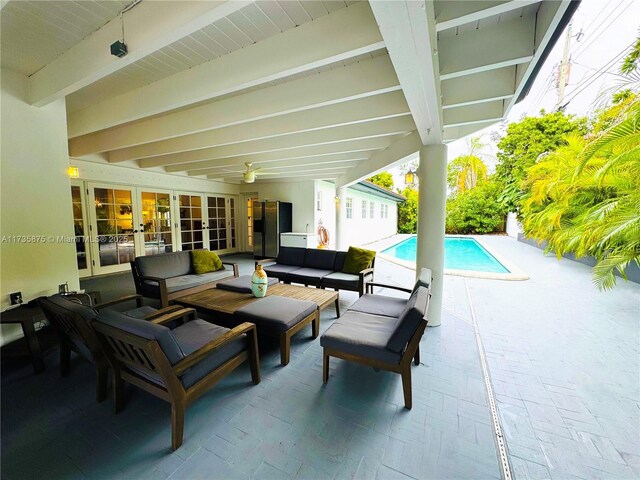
[145,329]
[339,262]
[86,312]
[423,280]
[322,259]
[166,265]
[291,256]
[410,318]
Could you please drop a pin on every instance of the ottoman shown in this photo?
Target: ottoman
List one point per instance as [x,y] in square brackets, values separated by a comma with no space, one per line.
[282,317]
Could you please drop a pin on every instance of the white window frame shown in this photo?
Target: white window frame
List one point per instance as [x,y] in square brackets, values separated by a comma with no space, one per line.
[349,207]
[372,209]
[364,209]
[319,200]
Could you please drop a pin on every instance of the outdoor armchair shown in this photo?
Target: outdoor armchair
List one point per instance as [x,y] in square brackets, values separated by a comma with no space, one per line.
[72,322]
[176,364]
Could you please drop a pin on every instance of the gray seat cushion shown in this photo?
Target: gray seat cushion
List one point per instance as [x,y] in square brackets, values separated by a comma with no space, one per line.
[166,265]
[413,313]
[275,313]
[320,259]
[291,256]
[379,305]
[339,261]
[140,312]
[363,335]
[144,329]
[183,282]
[308,276]
[424,279]
[346,281]
[241,284]
[279,271]
[197,333]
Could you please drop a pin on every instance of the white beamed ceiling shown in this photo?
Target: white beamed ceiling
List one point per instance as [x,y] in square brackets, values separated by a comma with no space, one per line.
[327,89]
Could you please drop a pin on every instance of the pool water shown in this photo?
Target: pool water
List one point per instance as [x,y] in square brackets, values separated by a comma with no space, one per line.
[459,254]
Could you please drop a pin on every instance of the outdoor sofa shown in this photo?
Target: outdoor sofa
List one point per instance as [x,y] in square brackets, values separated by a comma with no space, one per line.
[317,267]
[170,275]
[381,331]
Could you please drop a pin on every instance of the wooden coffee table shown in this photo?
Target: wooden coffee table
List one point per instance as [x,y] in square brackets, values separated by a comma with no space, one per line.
[224,301]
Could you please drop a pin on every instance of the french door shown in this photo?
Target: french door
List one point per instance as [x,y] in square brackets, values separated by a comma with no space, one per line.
[192,228]
[114,240]
[124,222]
[156,225]
[207,221]
[80,227]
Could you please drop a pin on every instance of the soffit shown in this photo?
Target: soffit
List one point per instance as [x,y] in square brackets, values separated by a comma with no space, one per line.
[36,32]
[249,25]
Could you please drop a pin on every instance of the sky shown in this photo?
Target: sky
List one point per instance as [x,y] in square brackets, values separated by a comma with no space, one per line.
[607,28]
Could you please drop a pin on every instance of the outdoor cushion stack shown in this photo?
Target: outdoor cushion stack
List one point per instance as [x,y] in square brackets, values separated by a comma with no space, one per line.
[318,267]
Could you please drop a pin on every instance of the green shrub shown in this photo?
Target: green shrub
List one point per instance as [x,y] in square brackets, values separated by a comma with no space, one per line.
[408,212]
[476,210]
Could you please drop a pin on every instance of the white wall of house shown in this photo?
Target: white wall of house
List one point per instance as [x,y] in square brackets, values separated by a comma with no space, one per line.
[298,193]
[35,198]
[109,173]
[513,226]
[359,230]
[325,199]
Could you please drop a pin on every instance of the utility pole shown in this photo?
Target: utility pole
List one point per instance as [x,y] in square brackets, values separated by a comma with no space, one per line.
[564,69]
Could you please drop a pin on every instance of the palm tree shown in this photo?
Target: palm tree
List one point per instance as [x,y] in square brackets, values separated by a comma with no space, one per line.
[464,172]
[585,196]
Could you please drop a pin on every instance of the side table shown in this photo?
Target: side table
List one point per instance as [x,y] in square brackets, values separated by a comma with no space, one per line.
[27,316]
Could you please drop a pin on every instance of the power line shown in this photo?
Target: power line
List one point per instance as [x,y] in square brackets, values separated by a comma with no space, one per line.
[600,24]
[587,45]
[601,71]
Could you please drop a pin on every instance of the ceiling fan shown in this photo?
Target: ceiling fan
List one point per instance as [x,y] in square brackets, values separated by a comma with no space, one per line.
[250,174]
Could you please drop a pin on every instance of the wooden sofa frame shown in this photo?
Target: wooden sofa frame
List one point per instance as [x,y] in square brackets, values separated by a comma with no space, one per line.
[127,350]
[412,352]
[165,296]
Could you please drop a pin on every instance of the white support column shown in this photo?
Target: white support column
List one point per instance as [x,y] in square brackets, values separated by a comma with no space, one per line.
[341,218]
[432,173]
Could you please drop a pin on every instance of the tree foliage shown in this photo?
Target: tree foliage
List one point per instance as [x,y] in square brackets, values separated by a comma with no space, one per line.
[526,142]
[584,198]
[477,210]
[464,172]
[408,211]
[383,179]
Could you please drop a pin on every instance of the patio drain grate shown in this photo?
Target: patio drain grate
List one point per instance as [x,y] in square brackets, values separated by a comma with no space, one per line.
[497,429]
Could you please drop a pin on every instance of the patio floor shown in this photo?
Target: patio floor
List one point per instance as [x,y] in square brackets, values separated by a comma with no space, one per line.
[563,362]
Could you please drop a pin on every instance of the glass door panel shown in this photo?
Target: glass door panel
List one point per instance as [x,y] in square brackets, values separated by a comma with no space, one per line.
[80,228]
[250,224]
[217,223]
[232,223]
[191,225]
[156,225]
[112,217]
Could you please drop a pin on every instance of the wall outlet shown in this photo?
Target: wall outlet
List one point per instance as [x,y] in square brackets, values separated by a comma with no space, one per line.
[16,298]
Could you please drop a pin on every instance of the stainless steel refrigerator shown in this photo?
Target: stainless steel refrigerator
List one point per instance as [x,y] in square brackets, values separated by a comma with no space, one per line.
[269,221]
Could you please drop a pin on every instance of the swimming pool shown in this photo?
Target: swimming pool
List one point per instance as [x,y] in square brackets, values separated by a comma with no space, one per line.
[459,254]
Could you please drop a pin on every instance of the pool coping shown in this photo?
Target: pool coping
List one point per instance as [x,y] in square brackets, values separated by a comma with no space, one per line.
[515,272]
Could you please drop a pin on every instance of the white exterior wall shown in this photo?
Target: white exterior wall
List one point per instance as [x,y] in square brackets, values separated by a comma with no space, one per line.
[513,227]
[327,212]
[359,231]
[35,198]
[103,172]
[300,194]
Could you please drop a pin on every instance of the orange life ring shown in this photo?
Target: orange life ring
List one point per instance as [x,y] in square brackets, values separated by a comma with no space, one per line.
[323,236]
